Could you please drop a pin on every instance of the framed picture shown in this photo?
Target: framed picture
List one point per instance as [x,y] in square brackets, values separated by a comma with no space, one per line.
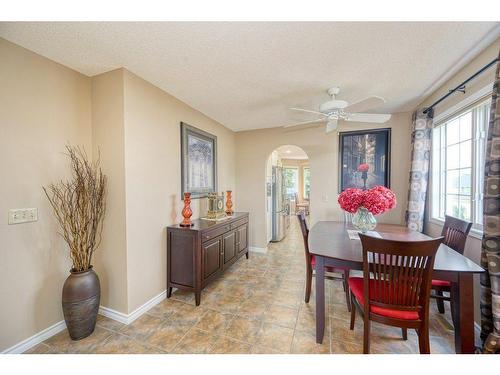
[365,158]
[198,162]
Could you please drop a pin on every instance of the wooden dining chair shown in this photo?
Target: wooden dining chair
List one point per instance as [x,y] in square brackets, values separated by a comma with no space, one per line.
[395,286]
[311,263]
[455,232]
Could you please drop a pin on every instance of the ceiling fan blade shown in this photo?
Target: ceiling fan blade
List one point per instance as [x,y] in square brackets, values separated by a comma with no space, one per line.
[365,104]
[368,117]
[308,111]
[305,122]
[331,125]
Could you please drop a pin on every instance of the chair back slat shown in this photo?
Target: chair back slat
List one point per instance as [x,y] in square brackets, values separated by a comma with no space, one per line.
[305,231]
[400,271]
[455,232]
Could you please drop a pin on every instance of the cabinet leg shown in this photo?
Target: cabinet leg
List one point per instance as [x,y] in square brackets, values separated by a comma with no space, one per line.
[246,254]
[169,292]
[197,297]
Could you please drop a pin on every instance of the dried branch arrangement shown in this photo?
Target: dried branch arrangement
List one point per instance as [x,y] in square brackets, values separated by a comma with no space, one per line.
[79,206]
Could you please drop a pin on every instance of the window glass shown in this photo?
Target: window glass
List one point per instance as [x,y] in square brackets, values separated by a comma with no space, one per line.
[458,149]
[307,182]
[291,176]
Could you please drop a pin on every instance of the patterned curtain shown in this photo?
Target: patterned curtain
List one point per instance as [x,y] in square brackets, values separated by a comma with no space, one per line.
[490,250]
[419,170]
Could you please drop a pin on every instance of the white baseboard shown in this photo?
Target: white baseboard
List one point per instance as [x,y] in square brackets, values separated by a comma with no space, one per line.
[36,339]
[113,314]
[105,311]
[147,306]
[254,249]
[129,318]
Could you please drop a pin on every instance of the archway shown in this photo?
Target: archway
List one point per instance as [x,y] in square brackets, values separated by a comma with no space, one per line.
[288,189]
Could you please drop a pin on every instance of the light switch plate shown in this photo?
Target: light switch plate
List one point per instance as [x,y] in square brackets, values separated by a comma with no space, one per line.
[22,215]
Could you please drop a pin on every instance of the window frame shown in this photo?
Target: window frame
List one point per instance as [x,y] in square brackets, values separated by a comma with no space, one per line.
[472,103]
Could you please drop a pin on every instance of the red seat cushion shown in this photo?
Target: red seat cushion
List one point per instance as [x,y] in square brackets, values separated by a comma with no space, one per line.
[356,286]
[329,269]
[441,283]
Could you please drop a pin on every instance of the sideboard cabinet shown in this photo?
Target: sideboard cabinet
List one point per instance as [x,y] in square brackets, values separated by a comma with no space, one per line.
[199,254]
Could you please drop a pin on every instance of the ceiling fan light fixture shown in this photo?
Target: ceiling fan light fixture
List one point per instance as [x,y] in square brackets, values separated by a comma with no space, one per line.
[331,125]
[332,105]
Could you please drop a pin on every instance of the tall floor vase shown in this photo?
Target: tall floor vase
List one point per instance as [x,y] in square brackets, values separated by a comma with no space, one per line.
[81,296]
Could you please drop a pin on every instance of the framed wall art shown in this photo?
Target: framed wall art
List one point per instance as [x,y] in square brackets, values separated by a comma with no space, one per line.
[365,158]
[198,161]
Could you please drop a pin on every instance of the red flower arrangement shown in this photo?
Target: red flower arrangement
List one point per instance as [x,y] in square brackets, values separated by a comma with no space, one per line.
[363,167]
[351,199]
[377,200]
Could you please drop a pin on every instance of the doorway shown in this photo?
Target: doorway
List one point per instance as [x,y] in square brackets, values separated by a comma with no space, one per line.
[288,189]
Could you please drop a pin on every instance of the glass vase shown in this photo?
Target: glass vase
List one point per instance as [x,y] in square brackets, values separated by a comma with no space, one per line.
[363,220]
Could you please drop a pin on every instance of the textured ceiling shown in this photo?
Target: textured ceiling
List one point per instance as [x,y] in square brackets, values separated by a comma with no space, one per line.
[247,75]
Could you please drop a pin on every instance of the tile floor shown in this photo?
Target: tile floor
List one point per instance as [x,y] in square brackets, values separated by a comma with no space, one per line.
[257,306]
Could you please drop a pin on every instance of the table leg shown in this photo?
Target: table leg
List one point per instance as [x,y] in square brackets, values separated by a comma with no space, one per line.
[463,307]
[320,298]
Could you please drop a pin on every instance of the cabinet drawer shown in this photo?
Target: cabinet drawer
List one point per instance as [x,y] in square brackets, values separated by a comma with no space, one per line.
[239,222]
[205,236]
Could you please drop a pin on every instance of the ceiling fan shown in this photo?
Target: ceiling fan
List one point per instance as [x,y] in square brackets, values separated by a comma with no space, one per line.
[334,110]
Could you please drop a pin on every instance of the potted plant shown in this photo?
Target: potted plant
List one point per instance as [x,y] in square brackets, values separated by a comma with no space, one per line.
[79,207]
[366,203]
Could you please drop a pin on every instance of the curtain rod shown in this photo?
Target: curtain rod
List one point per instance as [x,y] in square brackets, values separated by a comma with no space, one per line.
[460,87]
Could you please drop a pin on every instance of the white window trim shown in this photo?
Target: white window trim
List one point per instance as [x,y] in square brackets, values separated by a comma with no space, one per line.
[437,121]
[471,99]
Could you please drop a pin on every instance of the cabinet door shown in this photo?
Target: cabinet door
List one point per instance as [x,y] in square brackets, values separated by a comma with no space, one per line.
[242,238]
[212,251]
[229,245]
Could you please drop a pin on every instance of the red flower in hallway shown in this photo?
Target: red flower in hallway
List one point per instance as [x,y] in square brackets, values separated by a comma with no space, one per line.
[363,167]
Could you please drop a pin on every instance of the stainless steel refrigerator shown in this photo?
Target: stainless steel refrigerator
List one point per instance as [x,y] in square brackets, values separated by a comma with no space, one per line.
[279,213]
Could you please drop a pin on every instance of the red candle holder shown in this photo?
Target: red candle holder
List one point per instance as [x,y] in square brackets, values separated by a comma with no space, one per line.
[186,211]
[229,203]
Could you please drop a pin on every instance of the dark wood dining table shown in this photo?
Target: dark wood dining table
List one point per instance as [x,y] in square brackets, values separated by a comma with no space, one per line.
[329,242]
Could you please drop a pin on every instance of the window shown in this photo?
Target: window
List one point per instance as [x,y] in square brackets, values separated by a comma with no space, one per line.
[458,149]
[307,182]
[291,180]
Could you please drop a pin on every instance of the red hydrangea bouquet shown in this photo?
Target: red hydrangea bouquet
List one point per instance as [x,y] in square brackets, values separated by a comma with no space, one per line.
[366,203]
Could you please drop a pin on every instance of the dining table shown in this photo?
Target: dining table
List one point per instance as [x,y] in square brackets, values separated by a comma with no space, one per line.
[330,244]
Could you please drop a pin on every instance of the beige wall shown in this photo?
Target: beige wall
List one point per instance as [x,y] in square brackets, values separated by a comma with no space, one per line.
[153,176]
[254,147]
[473,245]
[136,128]
[108,138]
[43,106]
